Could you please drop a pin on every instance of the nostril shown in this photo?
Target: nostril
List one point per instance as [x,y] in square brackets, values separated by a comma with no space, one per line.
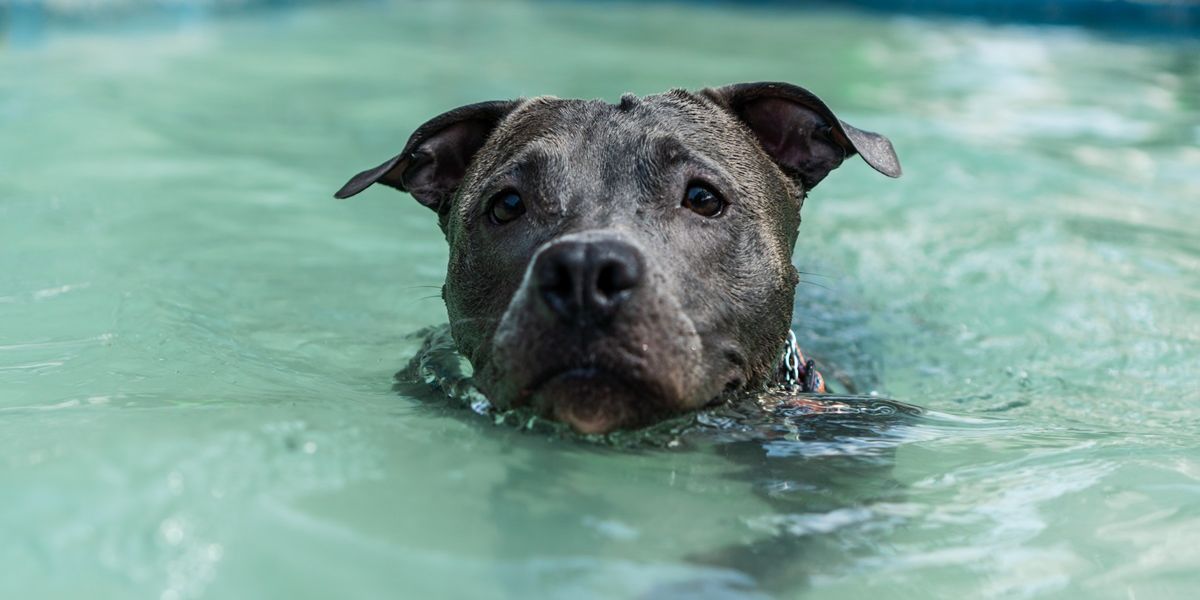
[616,275]
[556,283]
[609,281]
[559,281]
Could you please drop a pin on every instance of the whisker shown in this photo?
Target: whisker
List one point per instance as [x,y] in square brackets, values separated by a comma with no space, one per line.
[813,283]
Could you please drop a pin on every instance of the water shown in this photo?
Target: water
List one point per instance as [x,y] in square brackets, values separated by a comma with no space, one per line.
[197,343]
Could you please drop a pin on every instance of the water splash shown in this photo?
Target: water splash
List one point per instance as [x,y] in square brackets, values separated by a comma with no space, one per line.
[438,372]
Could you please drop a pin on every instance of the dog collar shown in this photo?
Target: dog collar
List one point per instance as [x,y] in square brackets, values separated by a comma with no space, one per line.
[798,373]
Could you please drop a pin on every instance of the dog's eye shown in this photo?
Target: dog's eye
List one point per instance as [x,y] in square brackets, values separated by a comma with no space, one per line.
[703,201]
[506,206]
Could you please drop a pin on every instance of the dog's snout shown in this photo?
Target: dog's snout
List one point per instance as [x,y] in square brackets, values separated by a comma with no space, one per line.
[587,280]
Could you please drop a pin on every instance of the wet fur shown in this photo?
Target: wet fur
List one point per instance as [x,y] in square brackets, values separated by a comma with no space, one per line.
[714,310]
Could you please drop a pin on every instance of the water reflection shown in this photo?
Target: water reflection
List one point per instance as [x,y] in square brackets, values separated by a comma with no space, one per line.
[820,463]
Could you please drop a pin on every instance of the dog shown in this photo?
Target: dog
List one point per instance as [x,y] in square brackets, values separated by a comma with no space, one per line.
[612,265]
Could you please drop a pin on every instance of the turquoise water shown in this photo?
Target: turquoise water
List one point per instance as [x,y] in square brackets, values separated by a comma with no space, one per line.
[197,343]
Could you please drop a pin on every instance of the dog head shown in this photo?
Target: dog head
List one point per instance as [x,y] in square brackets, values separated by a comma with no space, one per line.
[614,264]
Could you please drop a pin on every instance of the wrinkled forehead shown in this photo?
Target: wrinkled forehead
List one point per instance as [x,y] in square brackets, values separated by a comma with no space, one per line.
[617,136]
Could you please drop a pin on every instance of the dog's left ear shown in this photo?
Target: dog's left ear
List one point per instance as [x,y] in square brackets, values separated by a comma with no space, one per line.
[795,128]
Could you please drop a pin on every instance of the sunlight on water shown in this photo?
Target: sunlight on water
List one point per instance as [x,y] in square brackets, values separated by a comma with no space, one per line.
[197,344]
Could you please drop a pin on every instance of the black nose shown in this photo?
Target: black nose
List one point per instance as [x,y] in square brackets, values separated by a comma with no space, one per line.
[587,281]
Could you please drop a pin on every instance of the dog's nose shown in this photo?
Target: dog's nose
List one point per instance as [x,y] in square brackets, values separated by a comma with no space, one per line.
[587,281]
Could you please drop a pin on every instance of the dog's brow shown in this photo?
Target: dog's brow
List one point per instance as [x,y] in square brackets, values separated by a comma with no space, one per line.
[670,150]
[528,157]
[538,150]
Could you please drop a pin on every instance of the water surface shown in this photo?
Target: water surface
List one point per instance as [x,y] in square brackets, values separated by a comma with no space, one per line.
[197,343]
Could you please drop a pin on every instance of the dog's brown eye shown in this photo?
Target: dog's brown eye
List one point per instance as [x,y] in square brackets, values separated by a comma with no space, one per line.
[703,201]
[506,206]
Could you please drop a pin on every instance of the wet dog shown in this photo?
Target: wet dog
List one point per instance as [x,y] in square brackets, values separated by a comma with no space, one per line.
[615,264]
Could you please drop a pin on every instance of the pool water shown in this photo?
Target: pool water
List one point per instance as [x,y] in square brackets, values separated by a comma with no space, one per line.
[197,342]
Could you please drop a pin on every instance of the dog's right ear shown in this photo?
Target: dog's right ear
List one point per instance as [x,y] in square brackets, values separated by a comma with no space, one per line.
[437,154]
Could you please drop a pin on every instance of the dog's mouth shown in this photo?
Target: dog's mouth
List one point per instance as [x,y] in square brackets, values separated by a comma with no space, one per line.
[595,399]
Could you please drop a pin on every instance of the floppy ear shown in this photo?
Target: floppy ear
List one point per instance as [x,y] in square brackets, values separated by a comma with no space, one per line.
[800,133]
[437,154]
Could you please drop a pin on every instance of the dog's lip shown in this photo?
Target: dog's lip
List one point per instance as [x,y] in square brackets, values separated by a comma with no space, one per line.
[596,399]
[583,371]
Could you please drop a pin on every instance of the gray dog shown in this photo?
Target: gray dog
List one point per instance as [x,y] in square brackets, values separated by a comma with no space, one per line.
[612,265]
